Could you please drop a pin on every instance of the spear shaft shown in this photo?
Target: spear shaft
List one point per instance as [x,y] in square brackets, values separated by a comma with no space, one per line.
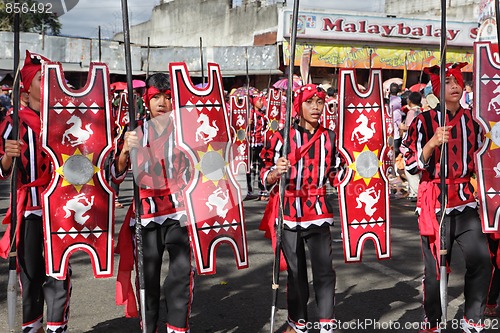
[12,281]
[443,251]
[133,155]
[286,144]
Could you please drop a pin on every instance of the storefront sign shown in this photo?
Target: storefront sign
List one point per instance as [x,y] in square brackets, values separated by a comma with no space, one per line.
[325,26]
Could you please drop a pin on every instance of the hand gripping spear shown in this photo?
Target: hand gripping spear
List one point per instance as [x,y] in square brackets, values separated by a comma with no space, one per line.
[443,251]
[133,154]
[286,143]
[12,282]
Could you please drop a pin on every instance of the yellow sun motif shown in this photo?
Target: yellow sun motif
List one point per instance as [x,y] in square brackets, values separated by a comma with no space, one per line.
[212,165]
[494,130]
[77,170]
[366,165]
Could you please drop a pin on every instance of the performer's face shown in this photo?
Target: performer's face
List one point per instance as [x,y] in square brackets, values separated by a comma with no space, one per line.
[160,104]
[453,90]
[259,103]
[34,90]
[312,109]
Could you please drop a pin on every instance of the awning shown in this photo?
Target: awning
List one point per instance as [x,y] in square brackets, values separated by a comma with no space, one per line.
[384,57]
[231,73]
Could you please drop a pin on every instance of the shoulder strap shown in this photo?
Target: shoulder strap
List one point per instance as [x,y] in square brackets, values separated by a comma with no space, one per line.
[300,152]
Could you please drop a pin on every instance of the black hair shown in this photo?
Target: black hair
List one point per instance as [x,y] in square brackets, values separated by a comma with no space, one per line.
[160,81]
[416,98]
[404,97]
[330,91]
[394,88]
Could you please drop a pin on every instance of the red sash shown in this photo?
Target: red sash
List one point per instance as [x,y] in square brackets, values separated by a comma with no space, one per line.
[32,119]
[124,292]
[21,207]
[428,224]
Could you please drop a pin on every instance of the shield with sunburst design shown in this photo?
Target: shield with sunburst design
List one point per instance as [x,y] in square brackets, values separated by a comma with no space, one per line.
[239,124]
[273,113]
[364,188]
[487,114]
[212,196]
[78,203]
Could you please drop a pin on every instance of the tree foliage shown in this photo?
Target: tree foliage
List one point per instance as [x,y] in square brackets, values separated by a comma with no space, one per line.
[34,19]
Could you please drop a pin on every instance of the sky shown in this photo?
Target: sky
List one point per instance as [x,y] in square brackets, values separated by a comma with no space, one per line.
[83,20]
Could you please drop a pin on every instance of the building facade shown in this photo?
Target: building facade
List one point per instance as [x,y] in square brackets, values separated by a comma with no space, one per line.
[394,36]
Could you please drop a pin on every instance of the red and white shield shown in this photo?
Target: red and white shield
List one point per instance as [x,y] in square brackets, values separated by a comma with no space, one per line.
[239,123]
[329,118]
[364,189]
[78,203]
[273,113]
[487,114]
[123,116]
[388,159]
[212,196]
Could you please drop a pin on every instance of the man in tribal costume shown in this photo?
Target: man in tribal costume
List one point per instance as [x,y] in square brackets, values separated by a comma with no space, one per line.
[162,172]
[424,142]
[257,124]
[33,176]
[308,165]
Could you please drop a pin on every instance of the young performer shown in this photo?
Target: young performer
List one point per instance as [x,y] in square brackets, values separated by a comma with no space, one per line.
[414,109]
[307,217]
[424,142]
[162,172]
[33,176]
[257,124]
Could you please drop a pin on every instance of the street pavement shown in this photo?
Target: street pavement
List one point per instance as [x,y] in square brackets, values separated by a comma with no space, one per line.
[371,296]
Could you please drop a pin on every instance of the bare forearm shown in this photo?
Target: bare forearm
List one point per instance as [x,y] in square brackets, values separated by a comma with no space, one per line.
[122,163]
[6,163]
[428,150]
[272,177]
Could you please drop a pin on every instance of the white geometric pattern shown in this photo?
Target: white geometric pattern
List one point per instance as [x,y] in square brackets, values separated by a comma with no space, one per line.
[85,232]
[361,108]
[364,223]
[491,192]
[216,227]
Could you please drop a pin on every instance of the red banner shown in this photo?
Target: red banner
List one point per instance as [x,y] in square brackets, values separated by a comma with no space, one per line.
[487,114]
[239,123]
[78,203]
[212,196]
[273,113]
[364,189]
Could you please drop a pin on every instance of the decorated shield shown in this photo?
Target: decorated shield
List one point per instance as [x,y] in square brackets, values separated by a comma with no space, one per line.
[389,158]
[329,118]
[123,116]
[273,113]
[364,189]
[77,204]
[487,114]
[212,196]
[239,123]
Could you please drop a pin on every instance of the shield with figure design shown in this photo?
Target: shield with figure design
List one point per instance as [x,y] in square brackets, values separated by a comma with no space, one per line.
[239,123]
[78,203]
[329,117]
[487,114]
[363,189]
[212,197]
[273,113]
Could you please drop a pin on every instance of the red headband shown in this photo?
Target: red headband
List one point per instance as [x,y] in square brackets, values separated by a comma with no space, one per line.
[151,92]
[32,65]
[303,93]
[451,69]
